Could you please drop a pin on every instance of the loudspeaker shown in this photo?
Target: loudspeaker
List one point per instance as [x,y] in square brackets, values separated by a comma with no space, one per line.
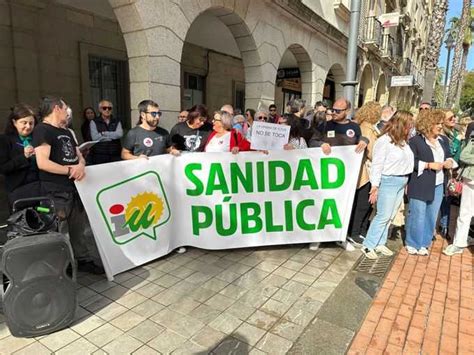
[37,282]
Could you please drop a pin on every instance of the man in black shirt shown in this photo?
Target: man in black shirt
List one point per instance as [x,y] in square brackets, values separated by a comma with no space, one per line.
[60,163]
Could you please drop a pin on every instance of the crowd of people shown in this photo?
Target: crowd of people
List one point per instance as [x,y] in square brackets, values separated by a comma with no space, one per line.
[407,161]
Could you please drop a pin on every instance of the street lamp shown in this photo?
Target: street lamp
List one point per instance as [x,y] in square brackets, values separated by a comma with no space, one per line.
[449,45]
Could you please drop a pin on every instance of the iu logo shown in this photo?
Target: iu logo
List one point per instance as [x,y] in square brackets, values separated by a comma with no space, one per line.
[135,207]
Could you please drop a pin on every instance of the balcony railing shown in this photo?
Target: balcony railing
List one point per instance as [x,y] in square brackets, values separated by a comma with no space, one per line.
[388,47]
[373,32]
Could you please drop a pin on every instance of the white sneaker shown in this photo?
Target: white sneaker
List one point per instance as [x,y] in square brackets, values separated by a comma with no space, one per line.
[181,250]
[346,245]
[383,250]
[423,251]
[411,250]
[314,246]
[450,250]
[369,253]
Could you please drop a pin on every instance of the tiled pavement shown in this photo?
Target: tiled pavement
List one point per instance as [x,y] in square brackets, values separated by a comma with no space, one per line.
[241,301]
[426,305]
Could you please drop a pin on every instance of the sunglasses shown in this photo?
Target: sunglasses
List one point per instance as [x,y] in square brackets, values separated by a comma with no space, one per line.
[338,110]
[261,118]
[424,108]
[154,113]
[106,108]
[182,116]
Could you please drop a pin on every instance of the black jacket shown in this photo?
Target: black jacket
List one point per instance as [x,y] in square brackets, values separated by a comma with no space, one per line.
[110,148]
[13,163]
[422,187]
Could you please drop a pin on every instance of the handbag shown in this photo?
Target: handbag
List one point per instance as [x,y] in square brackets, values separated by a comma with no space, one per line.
[454,186]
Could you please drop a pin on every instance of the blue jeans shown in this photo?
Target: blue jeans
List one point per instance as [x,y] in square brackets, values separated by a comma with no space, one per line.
[421,219]
[389,198]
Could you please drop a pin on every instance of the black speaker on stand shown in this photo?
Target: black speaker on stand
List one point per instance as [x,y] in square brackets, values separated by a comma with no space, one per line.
[37,274]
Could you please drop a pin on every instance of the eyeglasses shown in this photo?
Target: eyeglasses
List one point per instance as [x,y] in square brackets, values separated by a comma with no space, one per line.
[338,110]
[182,116]
[106,108]
[154,113]
[261,118]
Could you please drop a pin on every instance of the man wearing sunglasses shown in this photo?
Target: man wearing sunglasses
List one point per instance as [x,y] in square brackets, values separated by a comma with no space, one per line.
[108,130]
[146,139]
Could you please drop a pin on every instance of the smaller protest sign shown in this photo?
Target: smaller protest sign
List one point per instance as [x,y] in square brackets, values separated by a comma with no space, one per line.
[269,136]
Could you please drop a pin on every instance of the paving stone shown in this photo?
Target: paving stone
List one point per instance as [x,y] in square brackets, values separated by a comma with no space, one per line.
[228,276]
[284,272]
[59,339]
[320,294]
[274,344]
[96,303]
[167,297]
[251,278]
[285,296]
[215,285]
[135,283]
[182,272]
[146,331]
[198,278]
[167,266]
[127,321]
[262,320]
[241,269]
[150,290]
[87,325]
[267,266]
[240,310]
[102,285]
[189,348]
[184,305]
[295,287]
[225,323]
[304,278]
[287,329]
[167,281]
[111,311]
[231,345]
[182,324]
[248,333]
[148,308]
[220,302]
[293,265]
[205,313]
[78,347]
[4,331]
[153,274]
[84,293]
[201,294]
[183,287]
[208,337]
[275,308]
[116,292]
[146,350]
[103,335]
[298,315]
[255,351]
[124,344]
[124,276]
[167,341]
[233,291]
[35,348]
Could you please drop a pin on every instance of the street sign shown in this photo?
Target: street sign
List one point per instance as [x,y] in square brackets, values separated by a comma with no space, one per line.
[405,80]
[391,19]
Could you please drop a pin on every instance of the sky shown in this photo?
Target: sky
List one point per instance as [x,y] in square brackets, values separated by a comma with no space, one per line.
[455,8]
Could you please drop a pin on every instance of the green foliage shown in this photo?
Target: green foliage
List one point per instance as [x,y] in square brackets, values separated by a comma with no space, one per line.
[467,94]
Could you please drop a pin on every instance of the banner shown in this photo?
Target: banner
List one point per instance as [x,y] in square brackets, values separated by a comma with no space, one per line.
[269,136]
[142,209]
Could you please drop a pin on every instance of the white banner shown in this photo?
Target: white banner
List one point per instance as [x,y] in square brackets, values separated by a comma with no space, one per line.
[143,209]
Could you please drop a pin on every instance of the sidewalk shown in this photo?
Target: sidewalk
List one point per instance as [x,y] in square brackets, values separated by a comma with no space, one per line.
[426,305]
[244,301]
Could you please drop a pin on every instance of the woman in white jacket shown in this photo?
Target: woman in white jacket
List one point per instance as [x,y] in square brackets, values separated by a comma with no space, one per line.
[392,163]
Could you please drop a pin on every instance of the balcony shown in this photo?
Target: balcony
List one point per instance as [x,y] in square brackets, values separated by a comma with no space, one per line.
[388,48]
[373,33]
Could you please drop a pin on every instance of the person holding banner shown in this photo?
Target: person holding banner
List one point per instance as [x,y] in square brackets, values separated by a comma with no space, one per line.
[146,139]
[392,163]
[336,132]
[224,138]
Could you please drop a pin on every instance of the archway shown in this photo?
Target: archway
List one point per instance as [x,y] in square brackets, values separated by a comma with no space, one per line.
[381,95]
[293,79]
[332,85]
[365,86]
[155,34]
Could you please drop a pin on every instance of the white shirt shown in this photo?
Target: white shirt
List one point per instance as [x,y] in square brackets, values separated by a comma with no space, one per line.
[438,155]
[390,159]
[219,144]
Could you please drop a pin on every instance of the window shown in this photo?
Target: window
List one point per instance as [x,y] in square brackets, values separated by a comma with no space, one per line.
[193,93]
[108,80]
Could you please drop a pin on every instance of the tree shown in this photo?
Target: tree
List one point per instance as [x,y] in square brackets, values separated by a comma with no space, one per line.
[466,102]
[435,39]
[457,69]
[438,94]
[466,45]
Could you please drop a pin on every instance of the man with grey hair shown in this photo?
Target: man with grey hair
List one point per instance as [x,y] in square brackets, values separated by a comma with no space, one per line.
[228,108]
[260,115]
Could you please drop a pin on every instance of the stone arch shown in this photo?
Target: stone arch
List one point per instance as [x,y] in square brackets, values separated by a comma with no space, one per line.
[365,85]
[333,88]
[155,32]
[381,94]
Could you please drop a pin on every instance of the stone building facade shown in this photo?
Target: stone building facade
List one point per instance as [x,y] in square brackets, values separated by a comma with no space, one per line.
[181,52]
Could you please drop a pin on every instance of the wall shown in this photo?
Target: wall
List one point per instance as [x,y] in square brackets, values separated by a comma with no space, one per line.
[40,51]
